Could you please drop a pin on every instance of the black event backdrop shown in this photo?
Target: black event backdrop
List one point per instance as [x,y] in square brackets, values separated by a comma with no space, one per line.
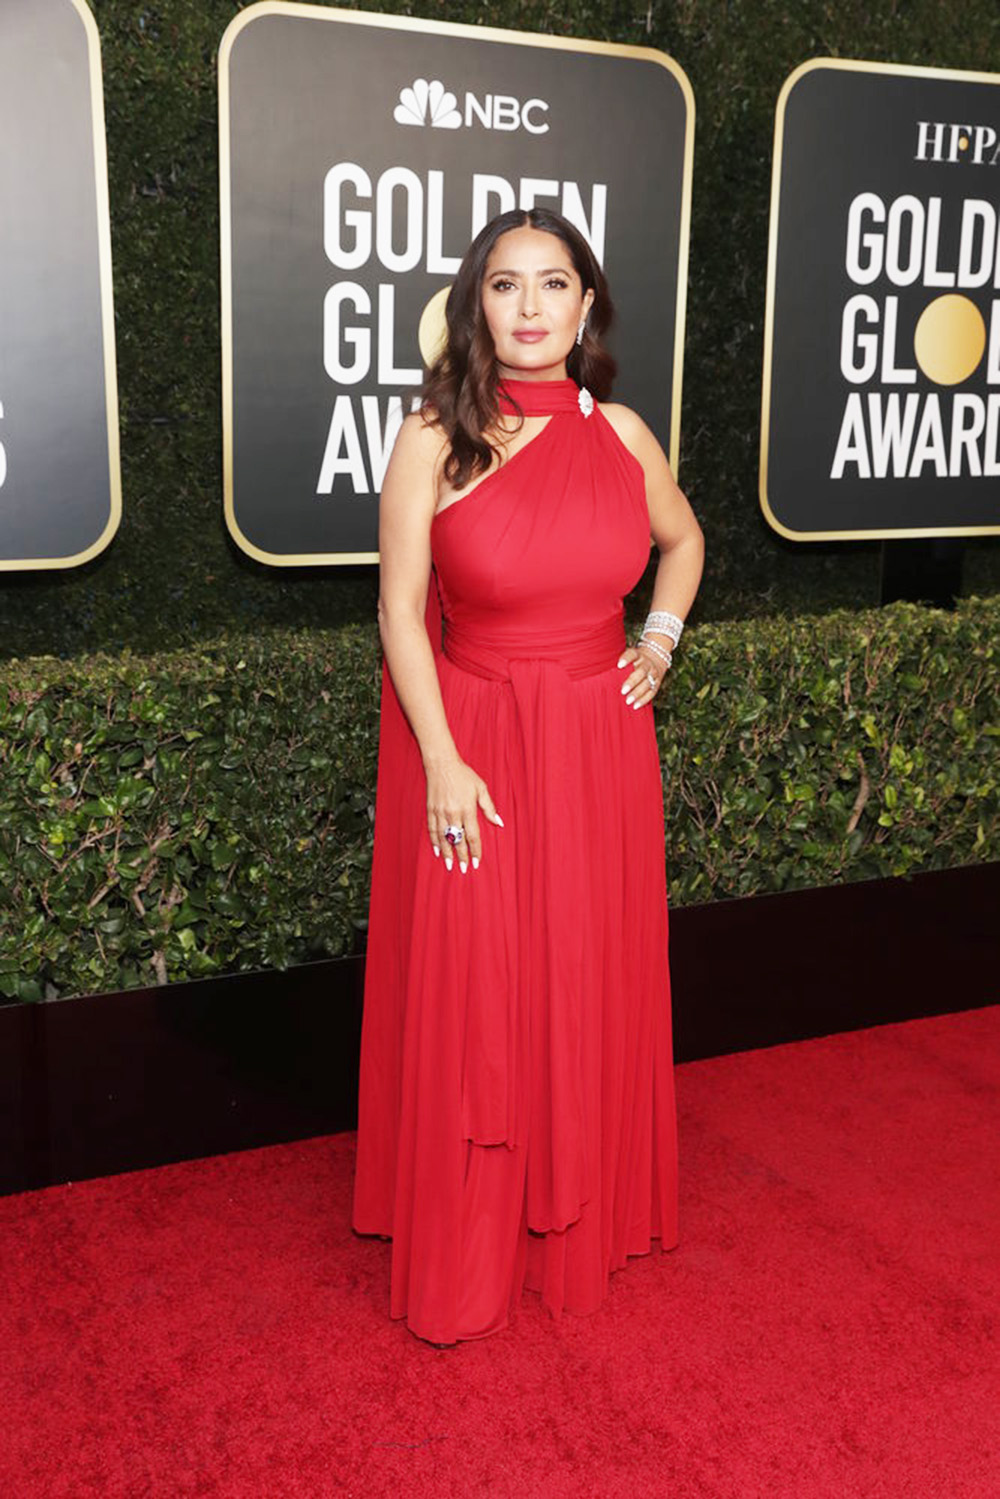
[866,399]
[346,222]
[59,498]
[172,575]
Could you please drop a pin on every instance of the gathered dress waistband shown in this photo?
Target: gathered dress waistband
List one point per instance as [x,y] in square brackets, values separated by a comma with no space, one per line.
[581,654]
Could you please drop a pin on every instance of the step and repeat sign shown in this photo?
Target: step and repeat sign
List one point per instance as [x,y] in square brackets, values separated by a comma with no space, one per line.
[881,393]
[60,482]
[359,156]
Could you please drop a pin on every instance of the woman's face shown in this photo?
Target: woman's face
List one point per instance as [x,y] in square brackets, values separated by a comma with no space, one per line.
[533,301]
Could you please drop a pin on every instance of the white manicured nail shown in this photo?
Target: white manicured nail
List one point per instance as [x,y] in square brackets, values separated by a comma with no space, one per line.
[447,863]
[624,689]
[437,851]
[499,821]
[475,863]
[630,699]
[462,866]
[621,663]
[636,705]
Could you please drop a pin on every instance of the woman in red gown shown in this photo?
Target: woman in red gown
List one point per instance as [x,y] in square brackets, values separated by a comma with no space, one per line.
[516,1116]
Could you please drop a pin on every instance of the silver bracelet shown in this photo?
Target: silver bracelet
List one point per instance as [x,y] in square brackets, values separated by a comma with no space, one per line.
[658,650]
[662,622]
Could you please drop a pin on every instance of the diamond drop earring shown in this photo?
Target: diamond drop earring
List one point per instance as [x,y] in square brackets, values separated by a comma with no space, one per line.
[579,331]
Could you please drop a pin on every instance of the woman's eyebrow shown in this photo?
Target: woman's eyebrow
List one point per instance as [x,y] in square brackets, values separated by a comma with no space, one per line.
[551,271]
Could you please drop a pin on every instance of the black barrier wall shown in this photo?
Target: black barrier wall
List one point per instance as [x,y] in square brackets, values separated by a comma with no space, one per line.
[116,1082]
[172,575]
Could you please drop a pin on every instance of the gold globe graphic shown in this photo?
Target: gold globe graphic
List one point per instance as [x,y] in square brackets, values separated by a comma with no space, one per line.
[949,340]
[432,331]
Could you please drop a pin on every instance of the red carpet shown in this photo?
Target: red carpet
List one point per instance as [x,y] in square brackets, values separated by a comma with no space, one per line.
[826,1328]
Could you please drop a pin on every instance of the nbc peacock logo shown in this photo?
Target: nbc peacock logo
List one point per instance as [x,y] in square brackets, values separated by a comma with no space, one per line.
[427,103]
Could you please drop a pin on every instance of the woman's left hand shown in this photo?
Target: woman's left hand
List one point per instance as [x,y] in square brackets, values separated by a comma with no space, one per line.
[643,681]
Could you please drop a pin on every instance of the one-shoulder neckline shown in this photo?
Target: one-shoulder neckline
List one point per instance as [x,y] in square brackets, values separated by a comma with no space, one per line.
[494,473]
[630,459]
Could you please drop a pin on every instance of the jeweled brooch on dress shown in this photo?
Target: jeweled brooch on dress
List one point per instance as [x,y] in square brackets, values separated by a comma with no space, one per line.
[586,400]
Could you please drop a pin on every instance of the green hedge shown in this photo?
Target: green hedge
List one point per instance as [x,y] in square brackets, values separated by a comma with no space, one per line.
[210,810]
[171,577]
[809,752]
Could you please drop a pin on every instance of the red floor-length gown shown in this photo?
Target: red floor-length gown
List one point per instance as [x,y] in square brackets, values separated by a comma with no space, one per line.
[516,1119]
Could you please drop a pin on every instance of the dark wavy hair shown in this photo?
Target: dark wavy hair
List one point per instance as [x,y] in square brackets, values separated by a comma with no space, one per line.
[460,388]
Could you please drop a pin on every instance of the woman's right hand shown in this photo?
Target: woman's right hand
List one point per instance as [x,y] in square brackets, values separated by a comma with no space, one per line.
[455,793]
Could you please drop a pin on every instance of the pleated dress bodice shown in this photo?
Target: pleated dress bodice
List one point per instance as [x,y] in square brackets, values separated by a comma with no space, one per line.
[540,553]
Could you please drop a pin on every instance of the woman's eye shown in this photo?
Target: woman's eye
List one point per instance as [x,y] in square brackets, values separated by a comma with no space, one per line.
[501,285]
[557,282]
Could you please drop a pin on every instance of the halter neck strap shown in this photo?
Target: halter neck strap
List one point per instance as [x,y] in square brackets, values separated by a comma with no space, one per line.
[539,397]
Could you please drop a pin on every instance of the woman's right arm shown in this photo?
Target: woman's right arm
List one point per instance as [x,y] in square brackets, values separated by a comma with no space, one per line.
[406,509]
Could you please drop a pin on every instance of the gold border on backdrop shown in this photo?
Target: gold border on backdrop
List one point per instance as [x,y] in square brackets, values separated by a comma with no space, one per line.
[439,28]
[107,310]
[849,65]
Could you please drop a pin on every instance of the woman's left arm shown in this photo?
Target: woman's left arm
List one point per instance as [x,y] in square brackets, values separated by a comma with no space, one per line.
[681,545]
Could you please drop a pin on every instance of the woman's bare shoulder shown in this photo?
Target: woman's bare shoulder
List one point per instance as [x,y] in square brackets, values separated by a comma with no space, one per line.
[420,449]
[627,423]
[637,437]
[421,437]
